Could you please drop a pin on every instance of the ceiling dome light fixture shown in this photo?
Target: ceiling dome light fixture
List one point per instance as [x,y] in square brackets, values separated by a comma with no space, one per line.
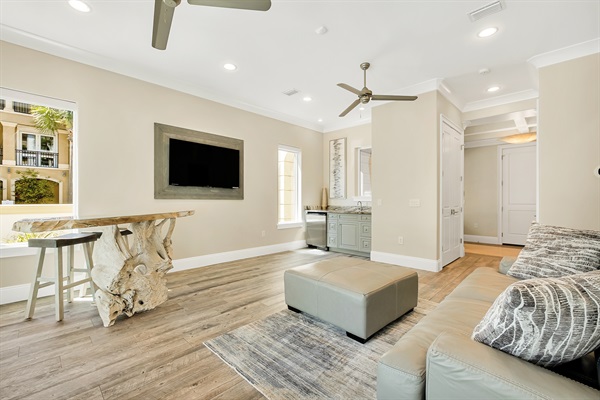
[307,98]
[80,6]
[493,89]
[520,138]
[230,67]
[487,32]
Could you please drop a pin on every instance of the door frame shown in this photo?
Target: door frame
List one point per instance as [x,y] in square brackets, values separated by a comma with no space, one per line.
[444,119]
[500,178]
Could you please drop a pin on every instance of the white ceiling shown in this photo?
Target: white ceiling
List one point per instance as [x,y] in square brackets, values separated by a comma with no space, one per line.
[413,46]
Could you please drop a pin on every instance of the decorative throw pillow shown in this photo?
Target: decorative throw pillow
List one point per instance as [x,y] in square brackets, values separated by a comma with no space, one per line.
[547,321]
[553,251]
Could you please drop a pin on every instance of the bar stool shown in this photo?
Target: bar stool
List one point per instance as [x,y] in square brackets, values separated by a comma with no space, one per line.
[58,243]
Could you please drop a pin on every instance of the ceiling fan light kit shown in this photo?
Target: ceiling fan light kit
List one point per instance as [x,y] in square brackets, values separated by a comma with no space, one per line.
[164,10]
[366,95]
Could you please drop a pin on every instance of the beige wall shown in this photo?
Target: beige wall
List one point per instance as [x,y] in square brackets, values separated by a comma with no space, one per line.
[356,137]
[406,138]
[569,143]
[405,166]
[481,191]
[116,156]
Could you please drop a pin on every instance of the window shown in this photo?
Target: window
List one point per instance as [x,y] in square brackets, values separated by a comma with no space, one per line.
[37,150]
[364,173]
[289,184]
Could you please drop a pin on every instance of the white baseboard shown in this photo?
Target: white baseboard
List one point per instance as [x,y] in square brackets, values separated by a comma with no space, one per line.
[482,239]
[217,258]
[406,261]
[13,294]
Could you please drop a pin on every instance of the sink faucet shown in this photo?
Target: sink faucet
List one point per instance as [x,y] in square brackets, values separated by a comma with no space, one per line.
[360,206]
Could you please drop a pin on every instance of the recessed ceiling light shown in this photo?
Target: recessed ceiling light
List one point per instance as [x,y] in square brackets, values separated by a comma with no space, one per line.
[493,89]
[321,30]
[230,67]
[80,6]
[487,32]
[307,98]
[320,120]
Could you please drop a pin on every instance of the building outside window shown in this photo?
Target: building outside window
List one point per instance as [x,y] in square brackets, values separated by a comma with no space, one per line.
[289,187]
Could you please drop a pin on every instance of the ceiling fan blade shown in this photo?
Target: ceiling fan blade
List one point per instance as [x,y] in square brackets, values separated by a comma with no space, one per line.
[347,110]
[163,16]
[349,88]
[257,5]
[392,97]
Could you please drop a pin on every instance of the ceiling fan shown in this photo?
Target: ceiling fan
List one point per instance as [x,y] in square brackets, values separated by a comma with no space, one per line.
[365,95]
[164,9]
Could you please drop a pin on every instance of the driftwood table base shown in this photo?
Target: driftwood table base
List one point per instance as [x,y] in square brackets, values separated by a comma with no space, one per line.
[129,271]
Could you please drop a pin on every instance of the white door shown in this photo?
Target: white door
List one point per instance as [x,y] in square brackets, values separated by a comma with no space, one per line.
[452,156]
[518,193]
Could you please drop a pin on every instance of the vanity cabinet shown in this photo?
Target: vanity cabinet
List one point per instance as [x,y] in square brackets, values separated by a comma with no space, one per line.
[349,233]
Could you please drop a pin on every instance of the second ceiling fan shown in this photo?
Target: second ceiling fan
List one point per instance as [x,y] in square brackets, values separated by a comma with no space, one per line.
[365,95]
[164,9]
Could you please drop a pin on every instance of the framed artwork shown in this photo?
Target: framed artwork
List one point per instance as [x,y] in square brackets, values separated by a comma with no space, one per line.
[337,168]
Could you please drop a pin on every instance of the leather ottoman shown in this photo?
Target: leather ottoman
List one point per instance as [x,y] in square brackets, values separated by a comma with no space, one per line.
[356,295]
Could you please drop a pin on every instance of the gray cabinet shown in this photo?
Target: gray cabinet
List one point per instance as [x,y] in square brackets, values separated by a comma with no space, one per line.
[349,233]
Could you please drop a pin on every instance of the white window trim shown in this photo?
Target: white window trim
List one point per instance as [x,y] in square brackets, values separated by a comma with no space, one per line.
[299,223]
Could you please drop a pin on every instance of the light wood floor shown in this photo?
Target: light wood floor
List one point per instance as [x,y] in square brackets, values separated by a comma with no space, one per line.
[160,354]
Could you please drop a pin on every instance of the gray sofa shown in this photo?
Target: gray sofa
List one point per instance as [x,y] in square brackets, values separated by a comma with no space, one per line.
[438,359]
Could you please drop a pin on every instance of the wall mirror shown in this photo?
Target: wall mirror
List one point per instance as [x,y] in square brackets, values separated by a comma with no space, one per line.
[363,173]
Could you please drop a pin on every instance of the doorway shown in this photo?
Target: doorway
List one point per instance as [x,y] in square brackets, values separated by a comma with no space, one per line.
[518,192]
[452,157]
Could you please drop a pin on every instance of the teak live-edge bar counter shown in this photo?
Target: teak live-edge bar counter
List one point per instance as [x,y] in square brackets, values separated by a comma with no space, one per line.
[129,272]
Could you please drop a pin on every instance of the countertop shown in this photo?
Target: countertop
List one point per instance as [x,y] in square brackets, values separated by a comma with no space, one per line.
[343,210]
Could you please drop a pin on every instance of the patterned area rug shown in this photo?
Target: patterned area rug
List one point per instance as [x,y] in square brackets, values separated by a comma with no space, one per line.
[295,356]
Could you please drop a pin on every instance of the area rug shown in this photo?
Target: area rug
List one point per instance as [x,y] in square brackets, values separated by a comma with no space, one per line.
[292,355]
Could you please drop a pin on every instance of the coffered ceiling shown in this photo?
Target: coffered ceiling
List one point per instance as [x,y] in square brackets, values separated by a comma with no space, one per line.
[413,47]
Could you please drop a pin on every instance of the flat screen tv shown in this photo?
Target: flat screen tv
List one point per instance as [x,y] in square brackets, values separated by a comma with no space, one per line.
[197,165]
[203,165]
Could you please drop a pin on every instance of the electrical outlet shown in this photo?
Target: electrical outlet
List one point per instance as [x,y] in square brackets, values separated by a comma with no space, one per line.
[414,203]
[400,239]
[263,233]
[379,202]
[475,225]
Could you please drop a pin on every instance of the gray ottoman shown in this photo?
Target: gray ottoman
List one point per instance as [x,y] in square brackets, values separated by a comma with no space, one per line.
[356,295]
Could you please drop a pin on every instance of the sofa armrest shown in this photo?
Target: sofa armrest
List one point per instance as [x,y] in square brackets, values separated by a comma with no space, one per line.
[461,368]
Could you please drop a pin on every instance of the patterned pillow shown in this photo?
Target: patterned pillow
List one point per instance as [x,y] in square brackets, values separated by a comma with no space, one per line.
[547,321]
[552,251]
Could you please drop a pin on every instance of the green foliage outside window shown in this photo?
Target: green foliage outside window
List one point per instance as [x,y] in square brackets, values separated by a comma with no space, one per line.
[30,189]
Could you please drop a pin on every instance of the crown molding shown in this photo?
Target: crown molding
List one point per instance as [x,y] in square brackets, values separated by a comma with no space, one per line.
[44,45]
[501,100]
[566,53]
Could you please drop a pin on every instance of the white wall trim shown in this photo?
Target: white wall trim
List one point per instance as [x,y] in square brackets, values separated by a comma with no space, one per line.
[566,53]
[13,294]
[35,42]
[501,100]
[217,258]
[481,239]
[407,261]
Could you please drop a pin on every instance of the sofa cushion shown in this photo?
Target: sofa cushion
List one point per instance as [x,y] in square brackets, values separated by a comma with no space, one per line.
[401,371]
[552,251]
[460,368]
[546,321]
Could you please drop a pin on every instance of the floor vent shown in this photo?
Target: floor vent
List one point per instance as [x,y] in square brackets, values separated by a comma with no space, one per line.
[486,10]
[291,92]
